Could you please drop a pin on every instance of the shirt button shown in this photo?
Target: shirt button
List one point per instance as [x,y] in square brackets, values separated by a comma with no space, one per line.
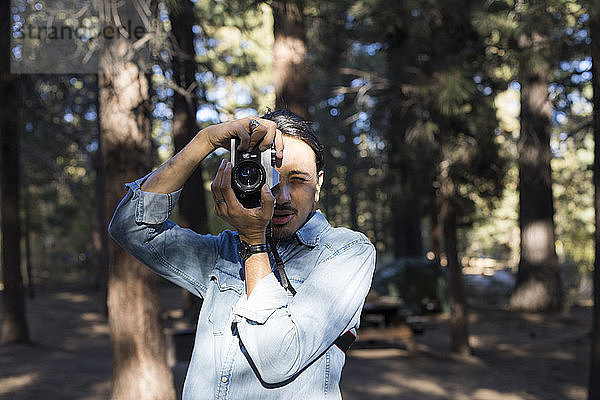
[224,379]
[223,285]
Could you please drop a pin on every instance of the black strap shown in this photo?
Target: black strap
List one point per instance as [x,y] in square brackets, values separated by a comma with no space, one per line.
[345,341]
[279,262]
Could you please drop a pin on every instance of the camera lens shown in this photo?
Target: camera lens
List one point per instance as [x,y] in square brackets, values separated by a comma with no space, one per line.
[248,176]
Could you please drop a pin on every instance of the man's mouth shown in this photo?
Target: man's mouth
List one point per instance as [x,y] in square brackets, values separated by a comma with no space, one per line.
[282,217]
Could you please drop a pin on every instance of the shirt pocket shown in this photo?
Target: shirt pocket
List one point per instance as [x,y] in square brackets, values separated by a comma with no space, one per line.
[228,289]
[296,281]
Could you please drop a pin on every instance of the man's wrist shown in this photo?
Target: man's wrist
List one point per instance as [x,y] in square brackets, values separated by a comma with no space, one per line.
[254,239]
[203,145]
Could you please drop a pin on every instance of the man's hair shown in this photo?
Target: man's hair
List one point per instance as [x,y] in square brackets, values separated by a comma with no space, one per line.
[293,125]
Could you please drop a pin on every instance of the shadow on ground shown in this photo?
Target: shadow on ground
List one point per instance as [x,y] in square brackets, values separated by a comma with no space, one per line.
[516,355]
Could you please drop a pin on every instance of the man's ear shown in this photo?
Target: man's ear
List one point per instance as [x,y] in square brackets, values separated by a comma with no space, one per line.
[319,184]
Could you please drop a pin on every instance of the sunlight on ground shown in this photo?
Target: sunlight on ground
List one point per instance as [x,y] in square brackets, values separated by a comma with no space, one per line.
[95,330]
[14,383]
[73,297]
[534,318]
[95,326]
[574,391]
[102,390]
[514,350]
[91,317]
[487,394]
[400,385]
[562,355]
[424,386]
[378,353]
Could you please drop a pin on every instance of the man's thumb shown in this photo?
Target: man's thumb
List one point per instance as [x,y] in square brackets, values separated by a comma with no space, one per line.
[266,196]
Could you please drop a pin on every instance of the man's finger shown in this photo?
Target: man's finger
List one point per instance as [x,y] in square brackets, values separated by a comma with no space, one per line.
[215,187]
[244,136]
[267,199]
[226,190]
[278,142]
[269,136]
[257,135]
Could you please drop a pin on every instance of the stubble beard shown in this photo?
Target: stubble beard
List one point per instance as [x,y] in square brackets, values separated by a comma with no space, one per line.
[282,233]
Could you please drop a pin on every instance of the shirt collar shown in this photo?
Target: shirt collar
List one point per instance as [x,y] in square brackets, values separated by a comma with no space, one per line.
[310,233]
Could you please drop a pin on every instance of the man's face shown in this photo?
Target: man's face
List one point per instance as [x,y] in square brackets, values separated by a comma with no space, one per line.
[298,190]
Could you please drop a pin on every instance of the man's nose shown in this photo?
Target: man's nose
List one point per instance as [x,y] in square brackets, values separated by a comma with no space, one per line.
[281,193]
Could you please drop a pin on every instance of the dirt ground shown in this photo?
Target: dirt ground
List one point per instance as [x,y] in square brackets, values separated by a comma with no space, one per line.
[515,355]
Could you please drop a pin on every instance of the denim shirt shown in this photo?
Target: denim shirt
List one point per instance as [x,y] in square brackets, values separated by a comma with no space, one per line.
[271,345]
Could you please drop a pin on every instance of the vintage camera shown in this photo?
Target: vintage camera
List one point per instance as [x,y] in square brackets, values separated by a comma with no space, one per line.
[251,170]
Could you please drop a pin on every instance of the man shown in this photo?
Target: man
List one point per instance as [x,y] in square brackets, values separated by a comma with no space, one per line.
[255,339]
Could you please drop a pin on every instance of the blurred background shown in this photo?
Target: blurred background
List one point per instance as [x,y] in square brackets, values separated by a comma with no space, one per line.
[459,138]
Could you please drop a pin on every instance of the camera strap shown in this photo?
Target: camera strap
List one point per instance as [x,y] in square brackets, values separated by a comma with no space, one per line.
[279,262]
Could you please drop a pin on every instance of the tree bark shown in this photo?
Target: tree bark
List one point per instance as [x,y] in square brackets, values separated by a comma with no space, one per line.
[594,382]
[14,323]
[290,72]
[192,202]
[538,281]
[406,213]
[459,333]
[435,228]
[99,228]
[140,368]
[27,238]
[351,165]
[333,40]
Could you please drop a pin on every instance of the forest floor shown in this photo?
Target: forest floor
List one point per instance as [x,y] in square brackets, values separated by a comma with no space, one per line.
[515,355]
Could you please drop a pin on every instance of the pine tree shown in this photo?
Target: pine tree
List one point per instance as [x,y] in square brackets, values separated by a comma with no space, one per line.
[14,325]
[140,369]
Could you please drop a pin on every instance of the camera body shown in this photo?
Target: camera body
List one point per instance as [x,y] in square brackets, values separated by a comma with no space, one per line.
[251,170]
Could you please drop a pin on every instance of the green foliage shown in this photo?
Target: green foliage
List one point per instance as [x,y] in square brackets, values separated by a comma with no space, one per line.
[234,51]
[59,145]
[574,218]
[398,90]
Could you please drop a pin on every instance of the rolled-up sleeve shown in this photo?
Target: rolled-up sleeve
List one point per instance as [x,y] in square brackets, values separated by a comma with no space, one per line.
[283,335]
[267,297]
[141,226]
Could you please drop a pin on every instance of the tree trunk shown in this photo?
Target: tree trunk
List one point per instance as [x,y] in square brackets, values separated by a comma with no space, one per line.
[27,238]
[594,382]
[332,37]
[140,368]
[538,281]
[14,323]
[192,202]
[99,231]
[406,213]
[351,166]
[26,196]
[435,228]
[459,332]
[290,72]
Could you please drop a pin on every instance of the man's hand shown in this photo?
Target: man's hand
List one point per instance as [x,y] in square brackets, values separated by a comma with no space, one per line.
[266,134]
[175,172]
[250,223]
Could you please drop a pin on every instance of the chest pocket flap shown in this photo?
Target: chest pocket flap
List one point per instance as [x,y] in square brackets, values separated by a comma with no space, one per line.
[226,281]
[227,291]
